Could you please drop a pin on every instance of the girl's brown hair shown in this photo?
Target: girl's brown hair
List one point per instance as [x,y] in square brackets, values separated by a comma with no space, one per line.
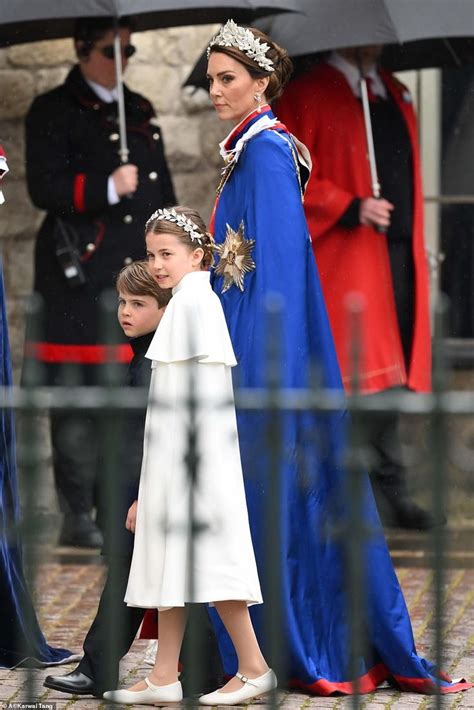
[164,226]
[136,280]
[282,64]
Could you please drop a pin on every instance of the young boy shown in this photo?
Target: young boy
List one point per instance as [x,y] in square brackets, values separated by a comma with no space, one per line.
[139,296]
[141,305]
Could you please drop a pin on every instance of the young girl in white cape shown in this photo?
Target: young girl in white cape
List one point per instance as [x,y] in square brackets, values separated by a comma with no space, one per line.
[192,345]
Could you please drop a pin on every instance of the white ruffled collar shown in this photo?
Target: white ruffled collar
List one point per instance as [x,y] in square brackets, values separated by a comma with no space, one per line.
[232,155]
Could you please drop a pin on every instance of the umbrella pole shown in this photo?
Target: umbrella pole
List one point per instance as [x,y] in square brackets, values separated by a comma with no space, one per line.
[123,150]
[374,177]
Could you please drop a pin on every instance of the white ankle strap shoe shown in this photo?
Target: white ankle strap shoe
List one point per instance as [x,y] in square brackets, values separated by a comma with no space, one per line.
[152,695]
[252,688]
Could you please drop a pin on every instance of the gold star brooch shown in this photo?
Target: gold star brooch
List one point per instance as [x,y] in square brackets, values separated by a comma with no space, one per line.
[234,258]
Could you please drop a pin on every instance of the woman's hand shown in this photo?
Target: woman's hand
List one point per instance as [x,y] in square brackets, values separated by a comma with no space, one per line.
[131,517]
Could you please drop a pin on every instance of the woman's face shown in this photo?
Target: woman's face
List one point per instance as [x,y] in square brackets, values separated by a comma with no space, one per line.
[231,88]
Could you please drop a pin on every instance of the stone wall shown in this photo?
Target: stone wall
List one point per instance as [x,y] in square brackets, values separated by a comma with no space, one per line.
[191,132]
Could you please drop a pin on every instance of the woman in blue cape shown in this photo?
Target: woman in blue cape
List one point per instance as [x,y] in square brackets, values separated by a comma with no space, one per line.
[263,249]
[21,639]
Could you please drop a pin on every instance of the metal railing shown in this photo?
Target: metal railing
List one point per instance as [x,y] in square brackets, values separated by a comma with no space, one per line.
[111,401]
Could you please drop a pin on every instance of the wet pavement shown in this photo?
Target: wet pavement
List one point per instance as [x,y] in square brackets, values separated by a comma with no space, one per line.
[68,585]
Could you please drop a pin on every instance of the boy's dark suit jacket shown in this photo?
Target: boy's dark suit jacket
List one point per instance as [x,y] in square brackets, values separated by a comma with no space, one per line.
[95,665]
[129,456]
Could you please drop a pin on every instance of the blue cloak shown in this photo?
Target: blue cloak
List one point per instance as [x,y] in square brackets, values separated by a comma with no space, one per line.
[263,193]
[21,639]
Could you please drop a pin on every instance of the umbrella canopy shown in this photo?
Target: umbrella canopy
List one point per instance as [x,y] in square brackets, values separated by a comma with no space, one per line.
[326,24]
[443,29]
[32,20]
[419,33]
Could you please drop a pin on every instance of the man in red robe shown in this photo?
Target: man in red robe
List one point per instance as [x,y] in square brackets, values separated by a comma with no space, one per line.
[387,270]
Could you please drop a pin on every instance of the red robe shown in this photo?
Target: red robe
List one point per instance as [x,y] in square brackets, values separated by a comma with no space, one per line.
[322,111]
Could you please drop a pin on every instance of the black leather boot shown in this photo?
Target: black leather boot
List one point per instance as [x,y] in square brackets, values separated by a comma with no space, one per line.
[79,530]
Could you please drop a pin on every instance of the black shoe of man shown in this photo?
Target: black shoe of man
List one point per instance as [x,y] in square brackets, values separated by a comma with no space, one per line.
[75,683]
[410,516]
[79,530]
[404,513]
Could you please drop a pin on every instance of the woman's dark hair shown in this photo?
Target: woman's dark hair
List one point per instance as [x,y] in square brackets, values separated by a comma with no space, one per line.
[88,30]
[282,64]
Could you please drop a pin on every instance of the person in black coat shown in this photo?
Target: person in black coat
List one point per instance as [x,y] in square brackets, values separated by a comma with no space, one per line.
[96,210]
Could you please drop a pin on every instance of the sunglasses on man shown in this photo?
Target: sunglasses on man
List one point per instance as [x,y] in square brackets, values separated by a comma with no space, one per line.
[109,53]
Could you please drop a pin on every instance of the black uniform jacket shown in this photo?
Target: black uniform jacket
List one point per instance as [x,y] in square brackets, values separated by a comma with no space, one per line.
[72,148]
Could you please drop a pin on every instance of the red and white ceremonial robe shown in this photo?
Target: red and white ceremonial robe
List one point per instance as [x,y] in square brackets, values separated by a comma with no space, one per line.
[322,111]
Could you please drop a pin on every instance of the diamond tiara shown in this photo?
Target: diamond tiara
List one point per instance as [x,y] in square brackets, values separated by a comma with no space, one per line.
[232,35]
[179,219]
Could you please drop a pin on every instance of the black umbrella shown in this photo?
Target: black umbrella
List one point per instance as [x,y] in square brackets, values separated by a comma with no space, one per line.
[31,20]
[417,33]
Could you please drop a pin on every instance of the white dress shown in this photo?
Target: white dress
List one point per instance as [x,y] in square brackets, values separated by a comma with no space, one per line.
[192,342]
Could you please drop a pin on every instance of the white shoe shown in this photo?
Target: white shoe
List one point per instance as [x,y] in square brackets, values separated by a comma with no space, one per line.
[252,688]
[150,653]
[152,695]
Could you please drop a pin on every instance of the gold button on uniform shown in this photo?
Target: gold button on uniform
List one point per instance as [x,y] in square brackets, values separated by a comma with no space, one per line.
[114,137]
[153,176]
[156,136]
[90,247]
[128,219]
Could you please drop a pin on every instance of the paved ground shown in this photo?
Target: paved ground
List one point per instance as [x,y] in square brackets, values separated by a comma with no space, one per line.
[69,584]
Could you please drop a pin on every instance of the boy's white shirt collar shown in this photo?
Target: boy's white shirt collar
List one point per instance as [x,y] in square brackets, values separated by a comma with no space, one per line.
[352,75]
[106,95]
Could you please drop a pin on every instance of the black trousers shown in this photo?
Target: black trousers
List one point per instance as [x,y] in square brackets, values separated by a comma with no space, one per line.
[75,443]
[386,467]
[103,669]
[385,456]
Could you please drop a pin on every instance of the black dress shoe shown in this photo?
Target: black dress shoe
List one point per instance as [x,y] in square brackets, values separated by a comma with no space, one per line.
[404,513]
[74,682]
[79,530]
[410,516]
[398,510]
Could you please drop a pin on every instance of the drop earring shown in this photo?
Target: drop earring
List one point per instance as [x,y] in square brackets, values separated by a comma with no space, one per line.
[258,98]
